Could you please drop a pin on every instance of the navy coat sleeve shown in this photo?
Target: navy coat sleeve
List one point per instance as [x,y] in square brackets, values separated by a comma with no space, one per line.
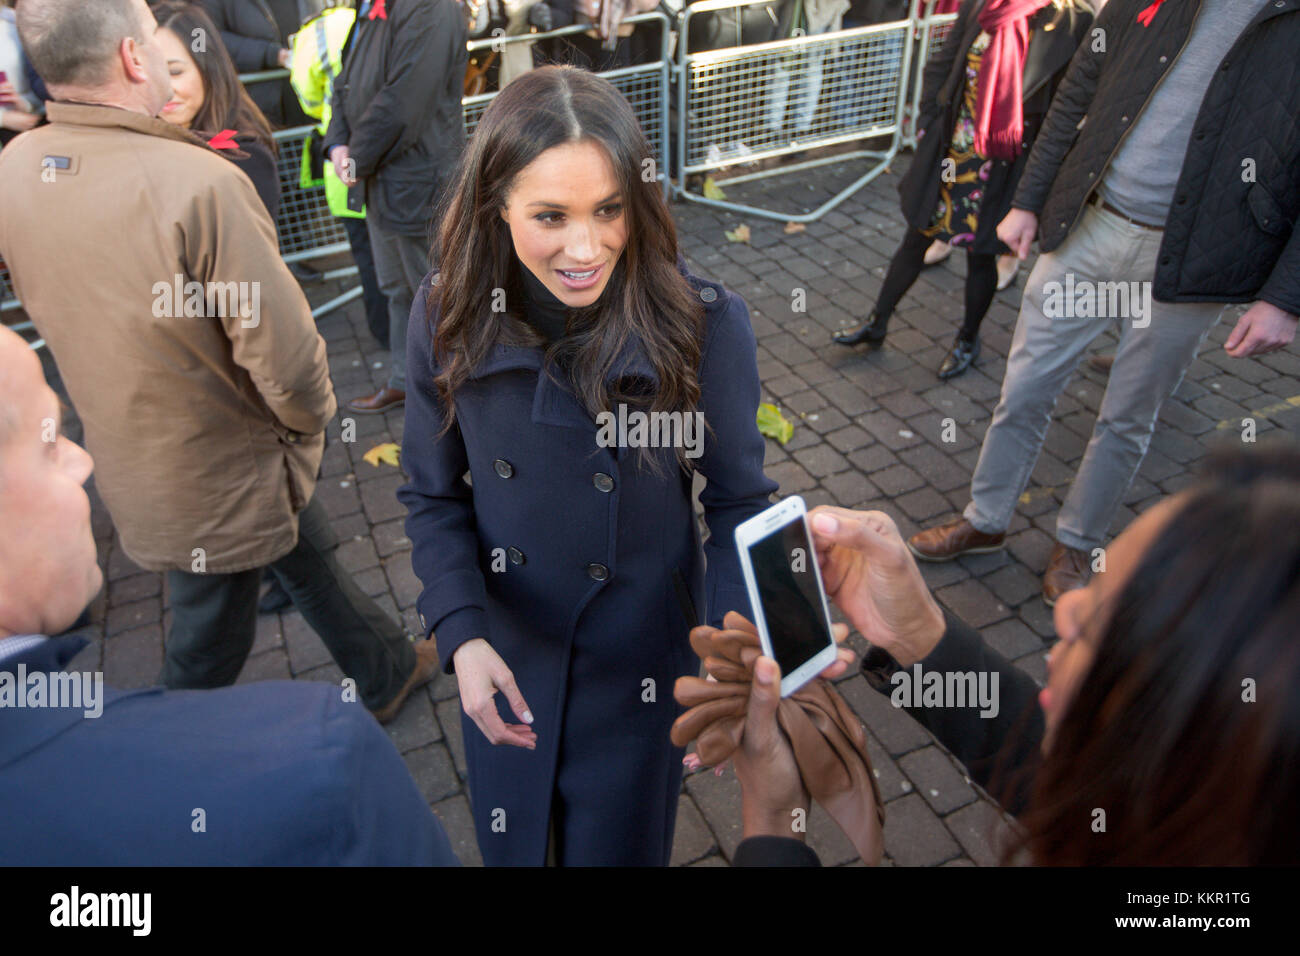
[440,503]
[732,461]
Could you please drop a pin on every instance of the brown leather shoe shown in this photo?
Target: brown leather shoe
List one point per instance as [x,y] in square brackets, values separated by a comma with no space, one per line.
[952,540]
[1102,363]
[426,665]
[1067,569]
[381,401]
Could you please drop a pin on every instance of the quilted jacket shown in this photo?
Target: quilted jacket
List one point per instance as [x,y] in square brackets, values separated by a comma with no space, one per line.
[1231,234]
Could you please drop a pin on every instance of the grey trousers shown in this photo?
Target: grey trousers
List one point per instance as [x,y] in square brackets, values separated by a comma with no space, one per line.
[401,262]
[1158,341]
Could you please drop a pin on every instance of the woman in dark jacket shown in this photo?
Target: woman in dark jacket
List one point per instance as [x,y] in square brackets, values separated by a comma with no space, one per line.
[567,572]
[207,97]
[986,93]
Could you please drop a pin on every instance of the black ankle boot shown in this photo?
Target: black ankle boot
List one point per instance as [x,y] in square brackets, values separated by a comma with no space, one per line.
[871,331]
[960,357]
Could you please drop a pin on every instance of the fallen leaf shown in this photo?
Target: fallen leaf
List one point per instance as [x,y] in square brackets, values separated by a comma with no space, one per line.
[792,227]
[773,424]
[712,190]
[739,234]
[389,452]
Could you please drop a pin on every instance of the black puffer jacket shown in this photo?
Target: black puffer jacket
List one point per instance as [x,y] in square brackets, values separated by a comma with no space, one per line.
[397,108]
[1230,237]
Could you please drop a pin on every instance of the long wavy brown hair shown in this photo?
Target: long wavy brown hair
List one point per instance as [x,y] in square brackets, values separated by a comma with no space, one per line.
[226,103]
[647,299]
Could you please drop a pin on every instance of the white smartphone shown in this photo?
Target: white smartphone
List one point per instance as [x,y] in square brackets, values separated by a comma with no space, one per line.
[786,593]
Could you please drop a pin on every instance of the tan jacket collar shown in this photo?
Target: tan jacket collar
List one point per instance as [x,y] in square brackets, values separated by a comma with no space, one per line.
[85,114]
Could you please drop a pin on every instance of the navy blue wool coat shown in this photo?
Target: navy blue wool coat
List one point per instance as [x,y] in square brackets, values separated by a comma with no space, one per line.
[585,572]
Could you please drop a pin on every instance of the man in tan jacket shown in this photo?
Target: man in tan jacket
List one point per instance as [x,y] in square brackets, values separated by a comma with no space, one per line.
[151,268]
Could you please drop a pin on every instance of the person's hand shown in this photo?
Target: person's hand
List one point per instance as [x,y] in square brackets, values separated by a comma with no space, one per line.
[480,673]
[872,577]
[341,157]
[9,95]
[771,788]
[1017,229]
[735,621]
[284,57]
[18,120]
[587,8]
[1263,328]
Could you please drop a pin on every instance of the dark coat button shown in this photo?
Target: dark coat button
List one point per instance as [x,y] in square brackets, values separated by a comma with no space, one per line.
[503,467]
[603,482]
[597,572]
[515,555]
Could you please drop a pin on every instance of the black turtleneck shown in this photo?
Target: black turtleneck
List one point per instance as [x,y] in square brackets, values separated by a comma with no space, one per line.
[543,311]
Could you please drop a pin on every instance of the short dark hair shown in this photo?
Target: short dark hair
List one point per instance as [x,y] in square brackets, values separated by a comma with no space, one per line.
[71,42]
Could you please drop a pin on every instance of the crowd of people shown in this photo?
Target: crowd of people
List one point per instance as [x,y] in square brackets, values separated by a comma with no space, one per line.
[527,281]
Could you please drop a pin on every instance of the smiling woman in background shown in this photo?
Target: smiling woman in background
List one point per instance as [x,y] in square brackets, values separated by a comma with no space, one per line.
[568,577]
[208,98]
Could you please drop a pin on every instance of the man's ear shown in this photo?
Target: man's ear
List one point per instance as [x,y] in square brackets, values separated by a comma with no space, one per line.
[132,62]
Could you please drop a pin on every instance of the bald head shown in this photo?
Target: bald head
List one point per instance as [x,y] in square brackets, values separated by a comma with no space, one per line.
[48,570]
[74,42]
[97,51]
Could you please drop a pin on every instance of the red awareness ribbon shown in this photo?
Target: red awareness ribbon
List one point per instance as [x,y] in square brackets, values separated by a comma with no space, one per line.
[224,140]
[1144,18]
[377,12]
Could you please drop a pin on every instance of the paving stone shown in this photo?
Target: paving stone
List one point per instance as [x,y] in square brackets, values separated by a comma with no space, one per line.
[1012,638]
[936,780]
[1013,584]
[134,588]
[434,774]
[448,713]
[892,726]
[414,726]
[973,603]
[821,460]
[914,836]
[270,665]
[897,480]
[134,658]
[718,799]
[305,648]
[691,839]
[136,614]
[977,828]
[267,636]
[791,478]
[379,498]
[454,814]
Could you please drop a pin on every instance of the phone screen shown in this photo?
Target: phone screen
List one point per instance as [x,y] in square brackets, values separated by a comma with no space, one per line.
[790,594]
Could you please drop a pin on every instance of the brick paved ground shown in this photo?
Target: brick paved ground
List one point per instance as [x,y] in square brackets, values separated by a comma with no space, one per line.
[868,435]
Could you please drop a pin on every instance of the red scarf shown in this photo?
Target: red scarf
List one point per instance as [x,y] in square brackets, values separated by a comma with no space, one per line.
[999,112]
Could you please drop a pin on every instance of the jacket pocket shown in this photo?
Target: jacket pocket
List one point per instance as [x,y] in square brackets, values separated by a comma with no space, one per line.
[1267,211]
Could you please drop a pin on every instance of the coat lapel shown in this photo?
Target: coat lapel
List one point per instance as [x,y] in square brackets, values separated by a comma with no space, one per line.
[554,404]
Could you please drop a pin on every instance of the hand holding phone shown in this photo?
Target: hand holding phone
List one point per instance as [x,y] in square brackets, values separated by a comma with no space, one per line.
[785,590]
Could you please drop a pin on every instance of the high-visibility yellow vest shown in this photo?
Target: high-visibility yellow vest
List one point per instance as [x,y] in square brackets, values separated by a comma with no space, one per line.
[315,61]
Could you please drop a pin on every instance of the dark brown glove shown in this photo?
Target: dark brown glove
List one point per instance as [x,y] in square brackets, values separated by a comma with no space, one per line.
[829,744]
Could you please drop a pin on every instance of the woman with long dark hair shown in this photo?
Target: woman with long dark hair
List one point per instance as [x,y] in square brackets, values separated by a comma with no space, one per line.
[986,94]
[566,360]
[208,98]
[1169,730]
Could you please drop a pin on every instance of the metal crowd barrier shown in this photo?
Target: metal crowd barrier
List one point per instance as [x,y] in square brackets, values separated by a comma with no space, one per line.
[929,32]
[745,104]
[643,85]
[736,106]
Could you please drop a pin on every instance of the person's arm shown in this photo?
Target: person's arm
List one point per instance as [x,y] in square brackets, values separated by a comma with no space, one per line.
[1066,115]
[986,743]
[228,239]
[732,459]
[258,164]
[1283,286]
[251,54]
[439,503]
[428,41]
[308,81]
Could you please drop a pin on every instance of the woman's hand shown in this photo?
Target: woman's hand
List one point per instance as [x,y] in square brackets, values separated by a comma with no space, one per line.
[480,673]
[872,577]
